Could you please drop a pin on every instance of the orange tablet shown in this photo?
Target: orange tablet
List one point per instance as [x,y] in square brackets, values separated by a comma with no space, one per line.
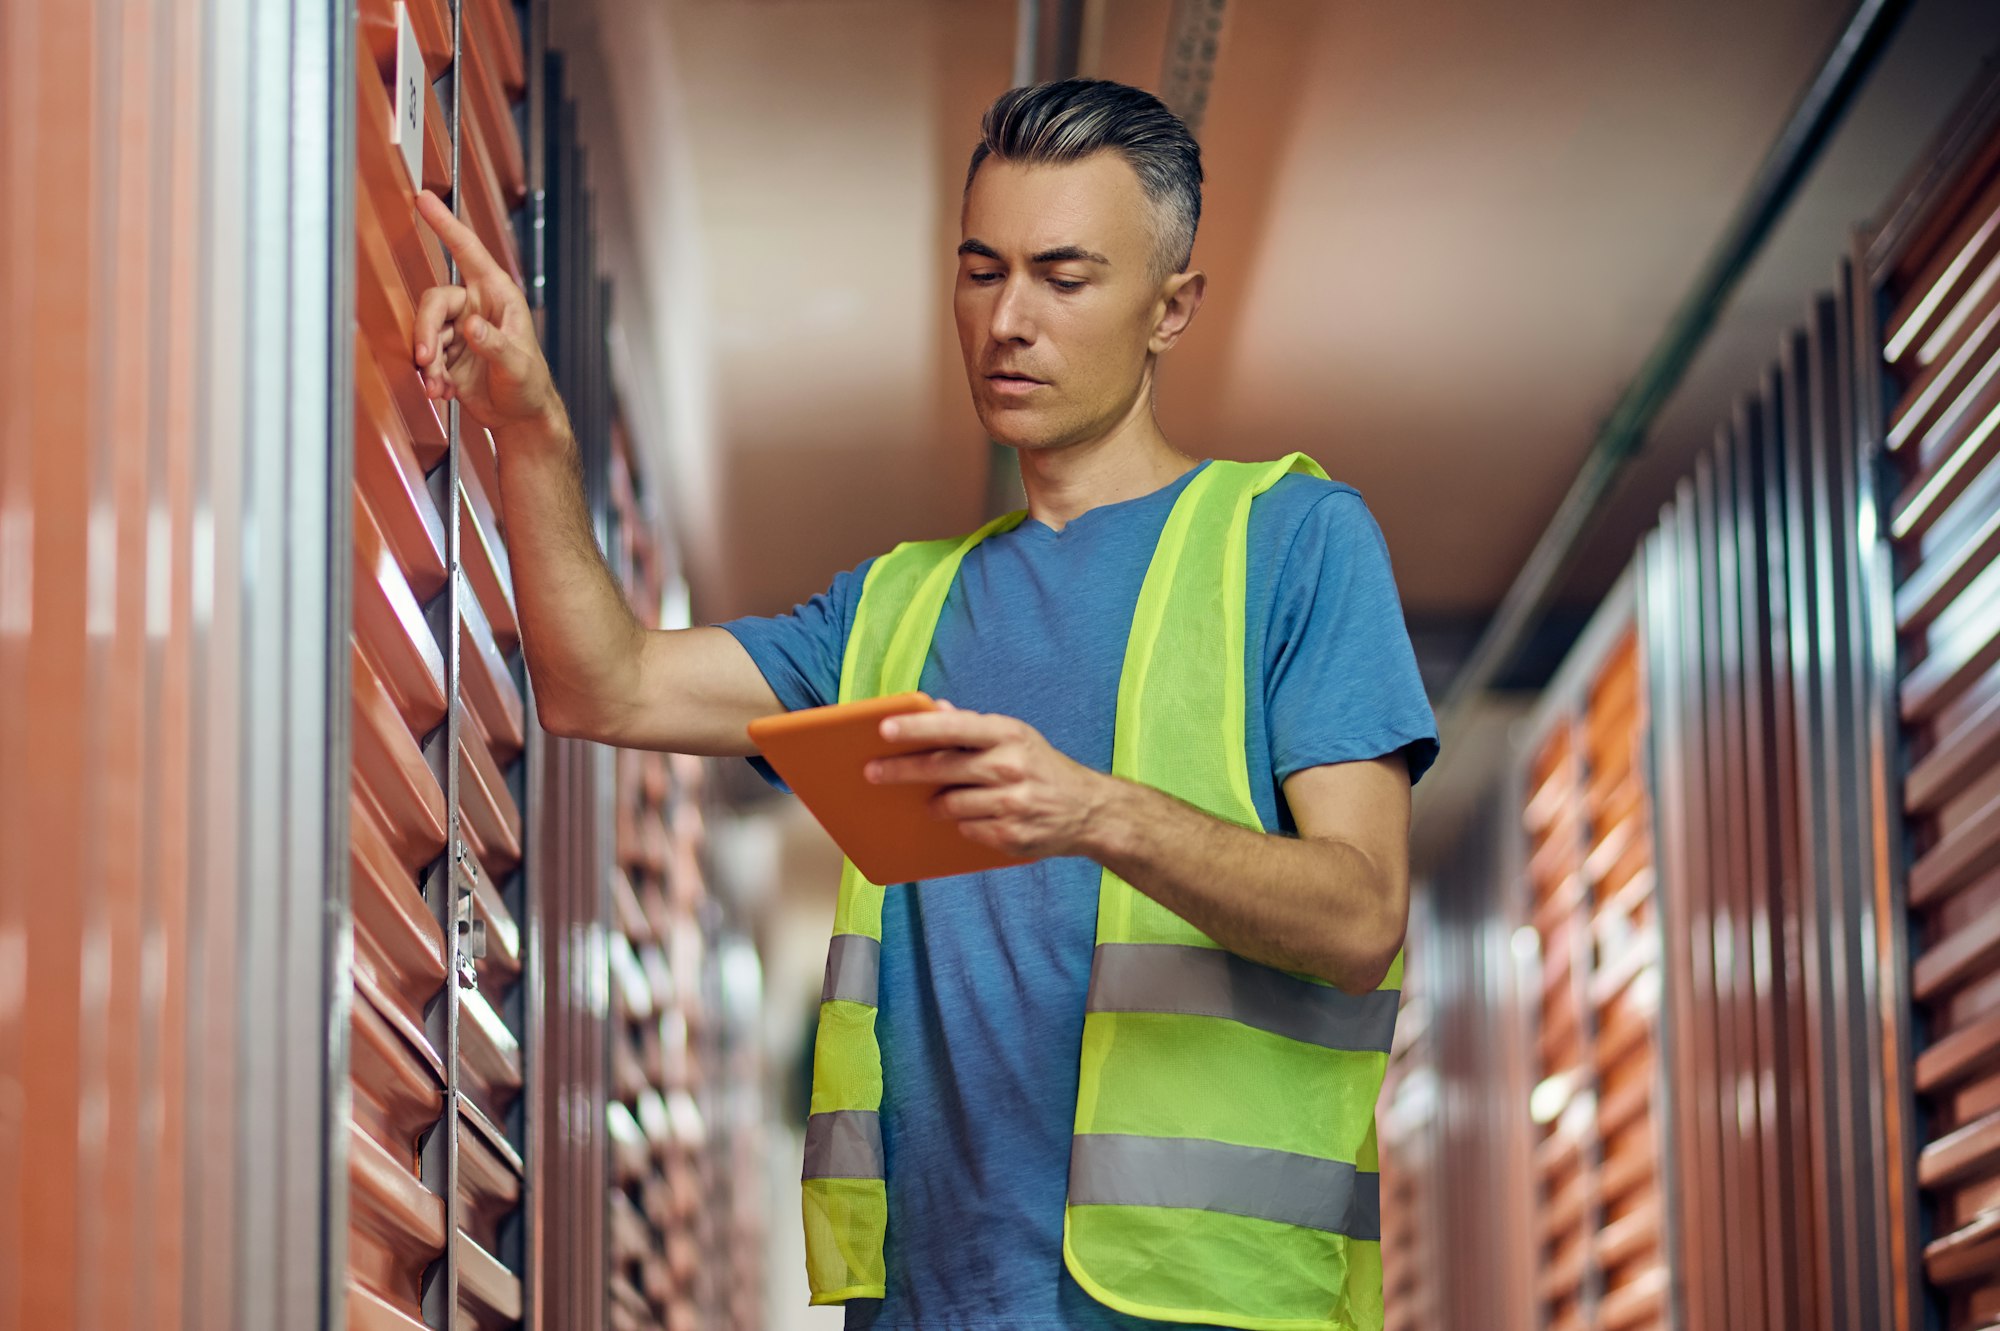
[887,831]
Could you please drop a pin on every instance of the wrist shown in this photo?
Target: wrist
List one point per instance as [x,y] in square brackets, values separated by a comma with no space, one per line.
[546,432]
[1110,828]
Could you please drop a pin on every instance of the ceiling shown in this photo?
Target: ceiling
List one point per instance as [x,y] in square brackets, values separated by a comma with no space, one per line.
[1450,232]
[1441,237]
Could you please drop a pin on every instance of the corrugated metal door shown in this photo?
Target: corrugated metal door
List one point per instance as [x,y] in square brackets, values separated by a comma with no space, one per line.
[1780,967]
[669,1233]
[399,820]
[649,1061]
[1407,1131]
[166,659]
[1598,1160]
[571,912]
[1463,1246]
[79,765]
[1813,699]
[438,1124]
[1733,982]
[1623,991]
[171,278]
[651,1118]
[240,707]
[494,1018]
[1937,336]
[1562,1169]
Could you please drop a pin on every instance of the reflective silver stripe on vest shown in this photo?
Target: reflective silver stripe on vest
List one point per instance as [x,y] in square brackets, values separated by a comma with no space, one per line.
[846,1143]
[853,970]
[1108,1169]
[1207,982]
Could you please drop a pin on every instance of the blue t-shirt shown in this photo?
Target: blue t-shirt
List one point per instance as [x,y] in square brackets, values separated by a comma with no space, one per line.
[983,976]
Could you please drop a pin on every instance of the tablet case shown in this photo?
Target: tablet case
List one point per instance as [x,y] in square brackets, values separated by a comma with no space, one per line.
[888,831]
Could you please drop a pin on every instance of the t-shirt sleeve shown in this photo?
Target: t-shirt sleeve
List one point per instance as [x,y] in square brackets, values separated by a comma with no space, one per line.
[1342,682]
[799,653]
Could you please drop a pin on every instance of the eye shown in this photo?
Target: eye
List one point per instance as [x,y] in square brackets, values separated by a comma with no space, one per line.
[1066,284]
[986,278]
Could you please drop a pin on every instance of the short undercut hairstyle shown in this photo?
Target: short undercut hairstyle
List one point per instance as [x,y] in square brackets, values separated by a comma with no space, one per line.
[1050,124]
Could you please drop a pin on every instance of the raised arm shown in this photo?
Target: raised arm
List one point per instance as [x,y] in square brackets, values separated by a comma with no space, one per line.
[598,673]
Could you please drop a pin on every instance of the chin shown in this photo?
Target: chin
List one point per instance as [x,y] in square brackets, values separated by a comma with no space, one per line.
[1017,431]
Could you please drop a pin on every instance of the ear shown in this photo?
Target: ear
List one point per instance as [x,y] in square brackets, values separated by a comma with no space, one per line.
[1180,297]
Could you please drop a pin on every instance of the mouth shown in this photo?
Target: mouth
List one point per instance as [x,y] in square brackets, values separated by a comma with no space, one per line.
[1014,385]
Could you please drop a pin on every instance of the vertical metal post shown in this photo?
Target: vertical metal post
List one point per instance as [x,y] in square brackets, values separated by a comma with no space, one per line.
[1698,928]
[280,178]
[1889,866]
[1512,1268]
[1725,936]
[336,103]
[1787,865]
[539,883]
[1853,822]
[1785,1261]
[1808,764]
[447,882]
[537,151]
[1833,726]
[1660,763]
[1027,40]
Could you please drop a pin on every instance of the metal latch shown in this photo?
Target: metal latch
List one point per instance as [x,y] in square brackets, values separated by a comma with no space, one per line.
[471,931]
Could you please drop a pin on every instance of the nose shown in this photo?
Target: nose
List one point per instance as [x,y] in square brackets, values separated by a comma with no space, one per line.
[1011,319]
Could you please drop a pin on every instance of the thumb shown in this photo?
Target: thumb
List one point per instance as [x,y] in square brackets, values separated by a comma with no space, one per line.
[490,344]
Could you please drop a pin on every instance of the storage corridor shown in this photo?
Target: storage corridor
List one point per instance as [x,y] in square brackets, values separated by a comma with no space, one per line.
[354,975]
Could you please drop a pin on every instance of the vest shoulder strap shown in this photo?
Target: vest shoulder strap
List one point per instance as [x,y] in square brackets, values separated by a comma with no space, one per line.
[900,602]
[905,589]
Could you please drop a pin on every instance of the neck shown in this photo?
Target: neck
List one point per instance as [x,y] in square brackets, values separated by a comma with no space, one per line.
[1130,459]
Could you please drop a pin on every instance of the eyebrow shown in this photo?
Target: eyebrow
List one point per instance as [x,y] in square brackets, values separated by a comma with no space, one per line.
[1060,254]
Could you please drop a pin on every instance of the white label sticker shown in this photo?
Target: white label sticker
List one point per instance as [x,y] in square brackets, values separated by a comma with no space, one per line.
[411,85]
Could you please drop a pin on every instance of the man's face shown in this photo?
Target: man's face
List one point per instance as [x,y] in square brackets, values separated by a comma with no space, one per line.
[1057,300]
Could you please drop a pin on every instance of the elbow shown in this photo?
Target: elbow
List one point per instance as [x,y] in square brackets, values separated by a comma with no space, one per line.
[1368,960]
[591,698]
[1359,984]
[1357,981]
[1365,983]
[557,724]
[555,721]
[560,715]
[1366,916]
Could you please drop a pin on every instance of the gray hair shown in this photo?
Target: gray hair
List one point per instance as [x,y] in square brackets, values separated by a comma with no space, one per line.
[1055,123]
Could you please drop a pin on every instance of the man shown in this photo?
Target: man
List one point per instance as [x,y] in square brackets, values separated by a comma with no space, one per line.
[1037,1115]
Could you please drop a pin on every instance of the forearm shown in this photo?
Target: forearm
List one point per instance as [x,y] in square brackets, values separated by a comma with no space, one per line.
[581,639]
[599,673]
[1317,906]
[1331,903]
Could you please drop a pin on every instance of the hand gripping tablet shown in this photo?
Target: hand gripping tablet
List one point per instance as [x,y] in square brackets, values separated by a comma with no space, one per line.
[888,831]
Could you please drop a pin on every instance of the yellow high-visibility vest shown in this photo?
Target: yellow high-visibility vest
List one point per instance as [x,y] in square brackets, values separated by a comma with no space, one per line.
[1223,1165]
